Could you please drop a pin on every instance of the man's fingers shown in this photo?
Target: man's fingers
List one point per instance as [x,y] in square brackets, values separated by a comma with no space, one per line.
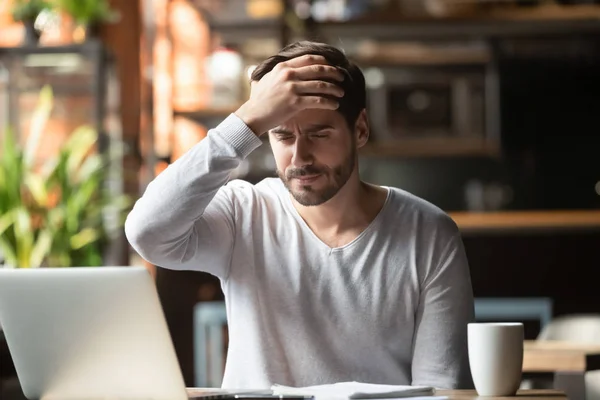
[321,102]
[318,88]
[318,71]
[302,61]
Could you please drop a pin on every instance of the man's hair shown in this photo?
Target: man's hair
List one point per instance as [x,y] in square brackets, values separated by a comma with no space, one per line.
[355,97]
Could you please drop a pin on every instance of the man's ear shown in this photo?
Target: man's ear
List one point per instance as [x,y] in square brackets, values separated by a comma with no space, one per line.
[361,129]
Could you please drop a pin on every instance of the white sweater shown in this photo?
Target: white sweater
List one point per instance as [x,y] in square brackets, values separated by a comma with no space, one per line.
[390,307]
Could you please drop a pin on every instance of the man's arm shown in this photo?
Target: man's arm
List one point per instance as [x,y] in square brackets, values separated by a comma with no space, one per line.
[185,218]
[440,357]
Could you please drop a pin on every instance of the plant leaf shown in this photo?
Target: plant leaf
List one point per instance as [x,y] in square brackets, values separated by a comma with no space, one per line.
[9,147]
[84,238]
[49,167]
[80,199]
[2,177]
[78,146]
[42,248]
[92,165]
[24,235]
[12,167]
[6,221]
[37,188]
[10,258]
[39,120]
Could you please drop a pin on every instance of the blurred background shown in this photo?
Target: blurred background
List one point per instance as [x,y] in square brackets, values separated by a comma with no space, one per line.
[488,109]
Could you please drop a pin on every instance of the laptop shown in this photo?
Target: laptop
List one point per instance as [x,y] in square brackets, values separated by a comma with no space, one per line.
[91,333]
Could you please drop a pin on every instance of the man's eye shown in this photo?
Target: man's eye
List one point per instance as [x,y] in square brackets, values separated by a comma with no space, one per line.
[319,135]
[284,138]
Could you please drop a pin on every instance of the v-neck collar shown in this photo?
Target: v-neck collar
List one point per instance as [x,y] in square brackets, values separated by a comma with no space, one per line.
[287,201]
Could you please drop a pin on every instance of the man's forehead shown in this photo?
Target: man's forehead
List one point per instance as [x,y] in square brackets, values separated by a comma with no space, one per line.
[311,121]
[305,127]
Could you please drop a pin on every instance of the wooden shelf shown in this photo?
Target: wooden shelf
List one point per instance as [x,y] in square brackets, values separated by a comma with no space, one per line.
[90,46]
[261,28]
[550,12]
[266,23]
[499,21]
[394,57]
[432,147]
[515,21]
[526,221]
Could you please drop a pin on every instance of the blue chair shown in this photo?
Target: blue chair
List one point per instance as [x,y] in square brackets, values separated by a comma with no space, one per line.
[515,308]
[209,320]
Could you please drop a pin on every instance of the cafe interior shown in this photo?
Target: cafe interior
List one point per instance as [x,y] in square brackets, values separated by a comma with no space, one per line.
[489,109]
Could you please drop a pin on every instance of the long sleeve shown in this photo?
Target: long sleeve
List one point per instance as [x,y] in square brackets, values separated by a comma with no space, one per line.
[440,354]
[185,219]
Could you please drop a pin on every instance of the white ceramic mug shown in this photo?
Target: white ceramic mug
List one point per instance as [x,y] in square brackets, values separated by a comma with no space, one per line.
[496,357]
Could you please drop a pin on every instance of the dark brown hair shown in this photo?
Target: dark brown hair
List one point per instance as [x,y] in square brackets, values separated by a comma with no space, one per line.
[355,97]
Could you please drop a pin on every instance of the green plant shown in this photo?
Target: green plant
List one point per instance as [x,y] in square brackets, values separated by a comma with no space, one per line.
[28,10]
[54,214]
[88,12]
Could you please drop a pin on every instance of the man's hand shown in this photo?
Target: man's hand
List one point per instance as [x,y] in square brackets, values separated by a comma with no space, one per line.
[291,87]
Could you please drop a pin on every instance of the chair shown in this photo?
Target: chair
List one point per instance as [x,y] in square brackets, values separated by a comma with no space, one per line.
[578,328]
[210,318]
[514,308]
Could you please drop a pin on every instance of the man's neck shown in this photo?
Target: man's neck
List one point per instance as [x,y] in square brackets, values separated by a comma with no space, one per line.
[353,207]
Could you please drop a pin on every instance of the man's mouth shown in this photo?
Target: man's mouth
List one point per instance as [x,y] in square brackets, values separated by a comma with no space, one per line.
[307,178]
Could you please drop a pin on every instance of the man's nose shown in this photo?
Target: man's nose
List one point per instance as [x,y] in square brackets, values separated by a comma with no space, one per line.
[302,154]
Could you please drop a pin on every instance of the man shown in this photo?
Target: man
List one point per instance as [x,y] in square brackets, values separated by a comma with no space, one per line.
[326,278]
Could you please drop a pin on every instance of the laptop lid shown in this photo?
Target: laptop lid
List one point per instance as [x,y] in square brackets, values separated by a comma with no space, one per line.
[88,333]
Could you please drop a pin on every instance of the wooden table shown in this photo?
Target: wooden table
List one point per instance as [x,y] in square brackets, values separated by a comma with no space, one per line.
[554,356]
[568,362]
[526,221]
[521,395]
[472,395]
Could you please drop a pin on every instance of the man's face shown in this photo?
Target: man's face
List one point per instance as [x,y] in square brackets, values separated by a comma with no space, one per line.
[315,153]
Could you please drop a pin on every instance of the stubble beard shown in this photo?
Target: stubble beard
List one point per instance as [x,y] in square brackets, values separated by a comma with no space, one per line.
[337,177]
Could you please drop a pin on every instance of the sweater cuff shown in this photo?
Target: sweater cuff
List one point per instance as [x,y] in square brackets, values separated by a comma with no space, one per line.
[235,132]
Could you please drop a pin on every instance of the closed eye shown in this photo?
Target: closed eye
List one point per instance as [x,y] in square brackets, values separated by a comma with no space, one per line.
[284,138]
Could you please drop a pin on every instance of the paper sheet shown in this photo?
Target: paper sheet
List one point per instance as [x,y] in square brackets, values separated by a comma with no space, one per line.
[357,390]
